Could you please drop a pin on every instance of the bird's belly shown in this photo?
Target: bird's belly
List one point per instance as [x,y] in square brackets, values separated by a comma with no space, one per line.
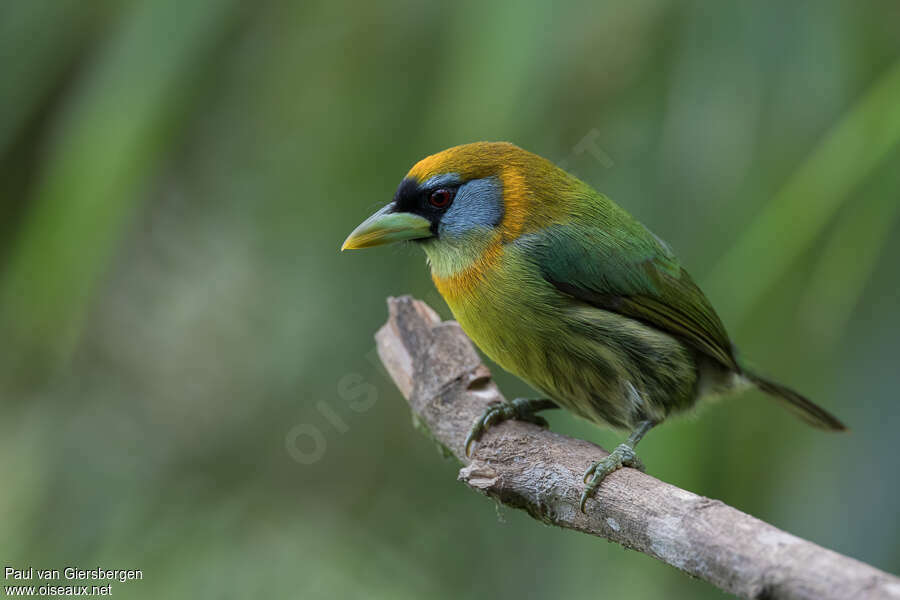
[599,365]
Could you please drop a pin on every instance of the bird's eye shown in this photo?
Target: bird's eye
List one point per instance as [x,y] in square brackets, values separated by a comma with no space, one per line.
[441,198]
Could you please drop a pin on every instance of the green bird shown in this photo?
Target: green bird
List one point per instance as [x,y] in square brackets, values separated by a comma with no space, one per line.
[563,288]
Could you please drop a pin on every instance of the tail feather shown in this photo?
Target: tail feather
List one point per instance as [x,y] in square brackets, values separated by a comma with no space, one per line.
[803,408]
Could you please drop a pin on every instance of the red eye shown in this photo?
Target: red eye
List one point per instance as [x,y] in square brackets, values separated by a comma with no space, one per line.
[441,198]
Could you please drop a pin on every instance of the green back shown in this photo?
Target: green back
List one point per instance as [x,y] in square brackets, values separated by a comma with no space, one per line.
[620,266]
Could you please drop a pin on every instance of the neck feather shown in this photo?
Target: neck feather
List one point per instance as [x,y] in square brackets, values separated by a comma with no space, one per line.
[460,263]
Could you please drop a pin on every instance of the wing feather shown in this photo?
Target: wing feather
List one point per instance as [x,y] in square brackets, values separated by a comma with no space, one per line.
[630,272]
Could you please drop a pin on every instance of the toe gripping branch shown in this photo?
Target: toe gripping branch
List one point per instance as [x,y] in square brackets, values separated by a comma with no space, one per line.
[520,409]
[622,456]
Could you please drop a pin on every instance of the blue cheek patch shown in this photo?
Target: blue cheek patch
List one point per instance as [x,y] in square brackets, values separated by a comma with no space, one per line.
[478,204]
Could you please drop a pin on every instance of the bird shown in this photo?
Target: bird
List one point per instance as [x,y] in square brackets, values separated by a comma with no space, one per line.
[566,290]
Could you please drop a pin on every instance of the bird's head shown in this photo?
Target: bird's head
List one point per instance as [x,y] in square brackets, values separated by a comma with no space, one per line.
[466,193]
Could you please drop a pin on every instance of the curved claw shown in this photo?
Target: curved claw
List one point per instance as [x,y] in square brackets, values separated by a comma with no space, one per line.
[491,415]
[622,456]
[469,441]
[590,471]
[520,409]
[584,496]
[474,434]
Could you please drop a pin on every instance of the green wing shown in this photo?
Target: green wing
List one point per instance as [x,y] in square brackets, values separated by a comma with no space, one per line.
[628,270]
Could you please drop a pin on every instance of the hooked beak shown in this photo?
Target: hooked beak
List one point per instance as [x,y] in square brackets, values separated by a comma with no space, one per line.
[387,227]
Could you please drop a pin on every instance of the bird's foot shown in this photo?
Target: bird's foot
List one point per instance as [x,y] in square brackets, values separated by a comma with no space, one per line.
[520,409]
[622,456]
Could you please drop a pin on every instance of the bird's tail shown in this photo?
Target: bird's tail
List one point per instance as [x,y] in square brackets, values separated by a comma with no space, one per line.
[803,408]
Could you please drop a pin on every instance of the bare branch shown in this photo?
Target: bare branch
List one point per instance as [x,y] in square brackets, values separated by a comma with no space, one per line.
[438,371]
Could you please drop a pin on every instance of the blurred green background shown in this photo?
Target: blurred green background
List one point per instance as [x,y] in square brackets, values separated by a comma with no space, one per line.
[180,335]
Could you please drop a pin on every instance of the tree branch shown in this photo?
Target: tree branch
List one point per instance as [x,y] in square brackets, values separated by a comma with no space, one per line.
[523,466]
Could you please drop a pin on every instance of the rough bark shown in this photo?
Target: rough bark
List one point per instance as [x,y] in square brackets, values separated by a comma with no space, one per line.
[523,466]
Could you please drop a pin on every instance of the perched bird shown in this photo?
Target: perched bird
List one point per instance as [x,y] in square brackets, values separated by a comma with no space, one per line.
[563,288]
